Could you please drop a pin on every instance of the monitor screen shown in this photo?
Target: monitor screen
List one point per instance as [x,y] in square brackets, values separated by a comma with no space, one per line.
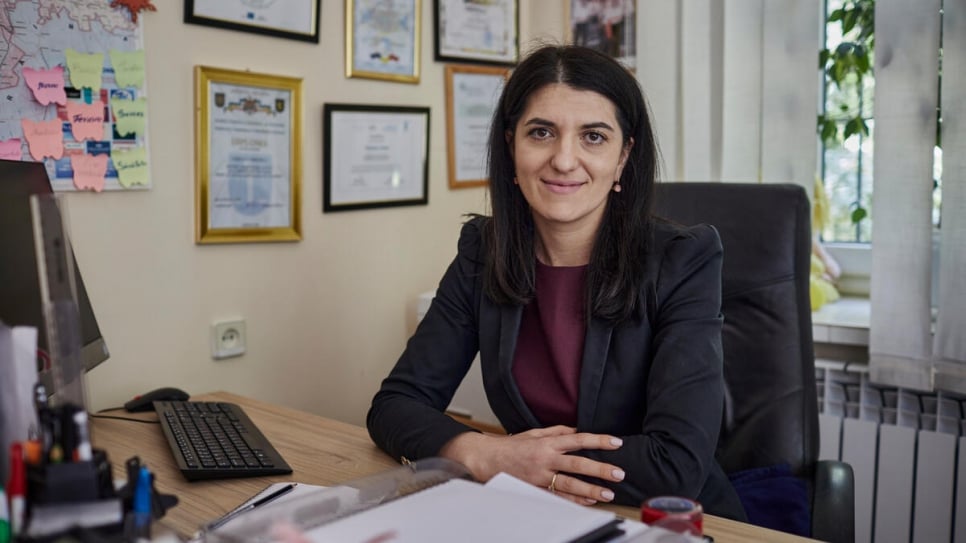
[20,298]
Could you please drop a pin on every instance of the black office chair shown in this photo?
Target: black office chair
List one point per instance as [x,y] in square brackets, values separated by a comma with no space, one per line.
[769,365]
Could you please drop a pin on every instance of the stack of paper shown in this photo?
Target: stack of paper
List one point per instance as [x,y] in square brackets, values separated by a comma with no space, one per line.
[460,510]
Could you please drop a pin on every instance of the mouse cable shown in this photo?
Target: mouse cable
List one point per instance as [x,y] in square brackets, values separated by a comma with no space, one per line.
[143,421]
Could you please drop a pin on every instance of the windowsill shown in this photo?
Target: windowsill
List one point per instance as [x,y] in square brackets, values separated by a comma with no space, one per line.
[843,322]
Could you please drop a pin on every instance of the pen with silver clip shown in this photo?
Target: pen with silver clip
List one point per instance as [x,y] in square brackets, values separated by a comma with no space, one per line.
[250,505]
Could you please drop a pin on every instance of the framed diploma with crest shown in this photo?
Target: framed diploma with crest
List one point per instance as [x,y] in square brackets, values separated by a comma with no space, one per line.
[248,156]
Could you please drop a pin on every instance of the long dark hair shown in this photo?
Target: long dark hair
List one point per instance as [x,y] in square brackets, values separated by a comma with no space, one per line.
[616,268]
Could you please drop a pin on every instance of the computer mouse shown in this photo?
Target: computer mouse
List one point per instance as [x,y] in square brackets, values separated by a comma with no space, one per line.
[145,402]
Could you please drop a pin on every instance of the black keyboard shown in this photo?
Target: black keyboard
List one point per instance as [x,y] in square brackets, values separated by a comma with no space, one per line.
[215,440]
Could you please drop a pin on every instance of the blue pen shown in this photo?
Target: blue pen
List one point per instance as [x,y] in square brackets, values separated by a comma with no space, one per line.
[140,527]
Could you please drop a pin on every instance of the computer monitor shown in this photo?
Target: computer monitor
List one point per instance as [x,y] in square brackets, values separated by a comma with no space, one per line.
[20,298]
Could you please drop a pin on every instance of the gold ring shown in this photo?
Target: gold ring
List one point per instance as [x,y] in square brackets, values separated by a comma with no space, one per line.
[553,481]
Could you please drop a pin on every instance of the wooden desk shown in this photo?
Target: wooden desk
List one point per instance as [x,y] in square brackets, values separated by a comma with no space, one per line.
[321,451]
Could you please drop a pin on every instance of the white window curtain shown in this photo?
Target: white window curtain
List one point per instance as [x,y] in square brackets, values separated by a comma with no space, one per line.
[908,346]
[733,86]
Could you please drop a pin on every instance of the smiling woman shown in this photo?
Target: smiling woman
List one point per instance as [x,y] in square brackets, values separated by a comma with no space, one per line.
[598,327]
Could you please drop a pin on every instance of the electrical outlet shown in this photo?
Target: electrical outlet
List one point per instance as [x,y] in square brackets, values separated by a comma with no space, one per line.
[228,339]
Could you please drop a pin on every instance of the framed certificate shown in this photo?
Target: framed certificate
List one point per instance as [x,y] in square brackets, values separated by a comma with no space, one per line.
[292,19]
[480,31]
[382,39]
[472,93]
[248,163]
[375,156]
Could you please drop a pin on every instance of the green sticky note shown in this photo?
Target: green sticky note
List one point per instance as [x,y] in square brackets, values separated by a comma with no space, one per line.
[128,67]
[85,70]
[131,166]
[129,115]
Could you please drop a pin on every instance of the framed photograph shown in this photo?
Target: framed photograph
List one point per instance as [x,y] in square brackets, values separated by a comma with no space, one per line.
[374,156]
[382,39]
[292,19]
[472,93]
[248,162]
[479,31]
[605,25]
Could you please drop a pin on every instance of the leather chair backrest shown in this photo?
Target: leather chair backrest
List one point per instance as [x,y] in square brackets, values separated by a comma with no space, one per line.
[769,363]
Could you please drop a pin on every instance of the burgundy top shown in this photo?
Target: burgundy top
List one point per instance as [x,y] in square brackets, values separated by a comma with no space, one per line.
[550,345]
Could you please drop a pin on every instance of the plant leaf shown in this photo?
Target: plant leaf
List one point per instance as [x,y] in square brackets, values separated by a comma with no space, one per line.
[858,214]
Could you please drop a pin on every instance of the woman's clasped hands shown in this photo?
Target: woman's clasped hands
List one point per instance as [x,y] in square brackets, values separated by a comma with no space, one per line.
[540,457]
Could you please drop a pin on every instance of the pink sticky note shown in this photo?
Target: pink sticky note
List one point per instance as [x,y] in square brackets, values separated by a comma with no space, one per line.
[86,120]
[10,149]
[47,85]
[89,171]
[44,138]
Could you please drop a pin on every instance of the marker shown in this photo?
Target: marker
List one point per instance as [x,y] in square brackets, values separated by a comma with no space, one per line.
[44,419]
[4,518]
[82,453]
[17,488]
[139,522]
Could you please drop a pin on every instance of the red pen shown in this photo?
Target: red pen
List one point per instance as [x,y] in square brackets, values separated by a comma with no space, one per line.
[17,489]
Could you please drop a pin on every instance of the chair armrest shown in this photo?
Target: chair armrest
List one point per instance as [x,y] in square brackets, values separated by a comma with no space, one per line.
[833,502]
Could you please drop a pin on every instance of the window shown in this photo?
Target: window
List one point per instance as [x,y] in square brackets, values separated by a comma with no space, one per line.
[846,125]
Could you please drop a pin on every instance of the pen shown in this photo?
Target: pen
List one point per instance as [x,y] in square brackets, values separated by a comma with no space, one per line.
[251,505]
[17,489]
[83,452]
[138,522]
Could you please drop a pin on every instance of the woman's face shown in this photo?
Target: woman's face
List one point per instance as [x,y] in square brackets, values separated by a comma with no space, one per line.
[568,150]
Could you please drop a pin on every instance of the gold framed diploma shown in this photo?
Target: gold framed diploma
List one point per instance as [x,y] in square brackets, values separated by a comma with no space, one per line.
[382,39]
[472,93]
[248,162]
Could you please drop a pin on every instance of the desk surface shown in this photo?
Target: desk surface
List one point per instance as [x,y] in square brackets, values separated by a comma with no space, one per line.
[321,451]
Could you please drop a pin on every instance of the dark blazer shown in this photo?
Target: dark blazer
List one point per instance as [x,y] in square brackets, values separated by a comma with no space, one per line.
[654,380]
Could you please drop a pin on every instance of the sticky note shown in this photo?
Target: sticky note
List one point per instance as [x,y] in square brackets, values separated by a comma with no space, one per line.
[129,115]
[44,138]
[86,120]
[85,70]
[131,166]
[89,171]
[128,67]
[10,149]
[47,85]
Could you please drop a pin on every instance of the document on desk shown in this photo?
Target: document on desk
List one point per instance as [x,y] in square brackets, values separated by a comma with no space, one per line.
[460,510]
[505,510]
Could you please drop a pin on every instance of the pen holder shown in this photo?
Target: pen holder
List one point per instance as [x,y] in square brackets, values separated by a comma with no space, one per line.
[70,481]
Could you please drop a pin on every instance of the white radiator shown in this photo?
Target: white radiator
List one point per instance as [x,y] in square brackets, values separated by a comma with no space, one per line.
[908,452]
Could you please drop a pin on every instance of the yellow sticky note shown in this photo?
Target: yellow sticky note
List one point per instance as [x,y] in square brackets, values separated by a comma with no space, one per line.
[85,70]
[129,115]
[128,67]
[131,166]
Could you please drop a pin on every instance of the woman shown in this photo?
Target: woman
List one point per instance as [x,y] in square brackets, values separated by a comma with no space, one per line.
[598,327]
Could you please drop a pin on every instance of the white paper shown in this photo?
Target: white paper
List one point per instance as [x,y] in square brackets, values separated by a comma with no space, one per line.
[460,510]
[250,156]
[18,375]
[298,17]
[59,517]
[633,531]
[377,156]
